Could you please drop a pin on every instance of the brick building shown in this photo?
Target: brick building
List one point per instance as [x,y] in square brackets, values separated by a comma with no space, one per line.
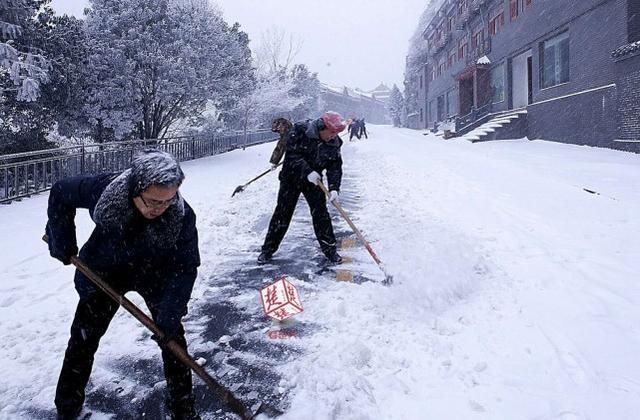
[627,59]
[572,65]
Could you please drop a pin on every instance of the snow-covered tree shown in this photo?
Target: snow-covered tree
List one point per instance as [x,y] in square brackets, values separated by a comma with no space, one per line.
[306,88]
[281,89]
[417,57]
[25,125]
[155,62]
[22,68]
[270,98]
[65,96]
[396,106]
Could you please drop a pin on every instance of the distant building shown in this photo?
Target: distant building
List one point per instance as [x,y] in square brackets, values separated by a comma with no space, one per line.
[352,103]
[573,66]
[381,93]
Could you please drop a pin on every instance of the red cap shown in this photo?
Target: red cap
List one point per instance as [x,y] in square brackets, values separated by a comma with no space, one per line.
[333,121]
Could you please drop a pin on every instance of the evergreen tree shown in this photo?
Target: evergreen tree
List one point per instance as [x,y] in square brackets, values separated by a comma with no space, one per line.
[396,106]
[24,125]
[417,57]
[22,68]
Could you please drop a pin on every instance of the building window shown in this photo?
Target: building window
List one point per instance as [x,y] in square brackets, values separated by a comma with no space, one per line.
[421,115]
[496,23]
[443,66]
[441,107]
[432,111]
[420,81]
[462,6]
[450,24]
[478,39]
[497,83]
[462,49]
[514,9]
[527,3]
[555,61]
[451,104]
[452,58]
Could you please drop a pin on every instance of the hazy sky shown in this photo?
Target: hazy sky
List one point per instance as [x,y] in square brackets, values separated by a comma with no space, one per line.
[358,43]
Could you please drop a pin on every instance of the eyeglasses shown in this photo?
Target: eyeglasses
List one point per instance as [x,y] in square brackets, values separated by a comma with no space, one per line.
[158,204]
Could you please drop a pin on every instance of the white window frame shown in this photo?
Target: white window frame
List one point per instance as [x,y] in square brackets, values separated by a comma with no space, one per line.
[555,41]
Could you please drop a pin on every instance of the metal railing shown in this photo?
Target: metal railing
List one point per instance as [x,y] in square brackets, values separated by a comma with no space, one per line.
[24,174]
[437,46]
[484,48]
[476,114]
[475,5]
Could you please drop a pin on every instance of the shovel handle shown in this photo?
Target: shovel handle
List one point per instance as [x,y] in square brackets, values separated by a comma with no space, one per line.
[353,226]
[263,174]
[227,396]
[241,188]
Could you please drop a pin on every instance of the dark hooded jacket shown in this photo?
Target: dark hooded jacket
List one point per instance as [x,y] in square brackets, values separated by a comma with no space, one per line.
[125,248]
[306,153]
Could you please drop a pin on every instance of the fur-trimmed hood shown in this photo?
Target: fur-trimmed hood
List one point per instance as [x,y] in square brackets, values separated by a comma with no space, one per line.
[115,212]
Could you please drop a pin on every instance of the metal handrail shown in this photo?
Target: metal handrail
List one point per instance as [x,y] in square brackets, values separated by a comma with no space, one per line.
[476,114]
[27,173]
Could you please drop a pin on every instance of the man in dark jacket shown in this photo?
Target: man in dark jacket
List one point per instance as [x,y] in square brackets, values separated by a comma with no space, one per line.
[312,147]
[354,130]
[363,129]
[145,240]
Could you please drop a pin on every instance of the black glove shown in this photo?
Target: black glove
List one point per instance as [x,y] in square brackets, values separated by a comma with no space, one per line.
[169,323]
[162,342]
[63,253]
[62,244]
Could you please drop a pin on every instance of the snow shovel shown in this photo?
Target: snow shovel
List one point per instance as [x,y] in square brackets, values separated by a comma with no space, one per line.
[388,279]
[241,188]
[221,392]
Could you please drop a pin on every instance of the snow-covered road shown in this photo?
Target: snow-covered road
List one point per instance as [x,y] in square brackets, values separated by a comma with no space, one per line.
[516,291]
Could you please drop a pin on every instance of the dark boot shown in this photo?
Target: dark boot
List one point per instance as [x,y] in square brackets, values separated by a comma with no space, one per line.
[334,257]
[264,257]
[69,415]
[183,409]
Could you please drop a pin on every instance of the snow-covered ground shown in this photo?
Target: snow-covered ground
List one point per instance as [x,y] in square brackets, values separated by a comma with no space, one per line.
[516,291]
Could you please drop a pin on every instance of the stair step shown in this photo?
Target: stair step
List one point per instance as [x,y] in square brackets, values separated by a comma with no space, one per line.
[480,132]
[512,114]
[491,126]
[475,135]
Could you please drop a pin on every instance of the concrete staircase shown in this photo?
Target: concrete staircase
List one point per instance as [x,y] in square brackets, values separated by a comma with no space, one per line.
[509,125]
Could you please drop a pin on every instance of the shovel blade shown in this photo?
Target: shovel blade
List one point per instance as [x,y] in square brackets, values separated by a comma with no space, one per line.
[269,411]
[238,189]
